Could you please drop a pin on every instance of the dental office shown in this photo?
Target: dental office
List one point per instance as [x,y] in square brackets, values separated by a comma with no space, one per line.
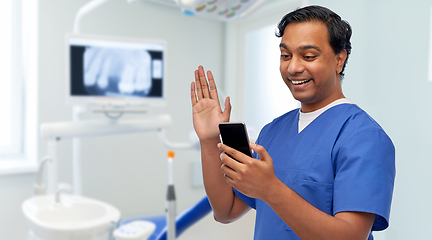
[110,159]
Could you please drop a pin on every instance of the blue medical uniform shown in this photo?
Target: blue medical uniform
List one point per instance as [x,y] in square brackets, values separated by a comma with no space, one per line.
[342,161]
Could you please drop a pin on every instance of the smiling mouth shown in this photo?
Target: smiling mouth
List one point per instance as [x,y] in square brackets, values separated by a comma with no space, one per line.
[300,82]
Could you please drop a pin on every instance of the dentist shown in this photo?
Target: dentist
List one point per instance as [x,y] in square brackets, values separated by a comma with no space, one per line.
[324,171]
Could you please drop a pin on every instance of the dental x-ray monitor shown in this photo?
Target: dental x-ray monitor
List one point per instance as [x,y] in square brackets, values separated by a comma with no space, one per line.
[115,73]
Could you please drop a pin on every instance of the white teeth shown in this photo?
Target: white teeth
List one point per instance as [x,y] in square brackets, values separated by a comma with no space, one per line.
[299,82]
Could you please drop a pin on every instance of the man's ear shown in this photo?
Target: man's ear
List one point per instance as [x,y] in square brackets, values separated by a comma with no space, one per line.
[340,60]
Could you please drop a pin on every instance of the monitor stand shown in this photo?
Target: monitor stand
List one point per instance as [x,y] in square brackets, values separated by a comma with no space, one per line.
[117,109]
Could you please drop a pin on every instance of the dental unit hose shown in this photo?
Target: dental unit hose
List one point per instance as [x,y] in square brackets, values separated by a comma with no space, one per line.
[170,200]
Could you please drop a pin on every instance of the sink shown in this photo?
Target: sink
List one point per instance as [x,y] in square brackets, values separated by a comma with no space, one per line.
[71,217]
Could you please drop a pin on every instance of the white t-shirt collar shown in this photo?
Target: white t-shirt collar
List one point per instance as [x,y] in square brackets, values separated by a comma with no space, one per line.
[306,118]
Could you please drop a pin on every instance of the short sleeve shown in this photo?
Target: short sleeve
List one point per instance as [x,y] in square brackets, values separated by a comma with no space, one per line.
[364,174]
[248,200]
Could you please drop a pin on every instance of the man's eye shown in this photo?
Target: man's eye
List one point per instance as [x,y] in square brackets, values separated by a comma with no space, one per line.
[285,57]
[309,57]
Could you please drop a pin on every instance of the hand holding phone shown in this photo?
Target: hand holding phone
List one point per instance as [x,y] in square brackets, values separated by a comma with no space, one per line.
[234,135]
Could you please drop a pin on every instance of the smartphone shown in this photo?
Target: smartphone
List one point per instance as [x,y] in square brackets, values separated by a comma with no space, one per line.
[234,134]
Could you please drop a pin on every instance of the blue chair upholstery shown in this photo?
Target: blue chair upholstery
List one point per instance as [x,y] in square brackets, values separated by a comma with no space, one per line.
[183,220]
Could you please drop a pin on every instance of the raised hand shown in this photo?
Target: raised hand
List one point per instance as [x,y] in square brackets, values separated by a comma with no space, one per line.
[207,113]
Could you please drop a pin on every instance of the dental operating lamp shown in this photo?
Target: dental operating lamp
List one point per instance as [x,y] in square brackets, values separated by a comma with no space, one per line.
[224,10]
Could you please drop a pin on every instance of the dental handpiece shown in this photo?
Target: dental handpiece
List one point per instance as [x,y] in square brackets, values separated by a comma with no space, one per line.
[170,200]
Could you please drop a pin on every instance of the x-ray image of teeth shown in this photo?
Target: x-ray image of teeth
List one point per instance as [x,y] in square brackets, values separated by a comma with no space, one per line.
[116,71]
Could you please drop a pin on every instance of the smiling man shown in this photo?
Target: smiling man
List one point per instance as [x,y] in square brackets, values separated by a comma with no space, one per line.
[324,171]
[309,66]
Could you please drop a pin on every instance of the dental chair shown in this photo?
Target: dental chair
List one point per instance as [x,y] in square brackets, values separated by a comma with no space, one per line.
[183,220]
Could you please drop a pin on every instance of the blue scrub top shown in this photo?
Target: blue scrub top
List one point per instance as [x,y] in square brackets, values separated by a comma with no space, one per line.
[342,161]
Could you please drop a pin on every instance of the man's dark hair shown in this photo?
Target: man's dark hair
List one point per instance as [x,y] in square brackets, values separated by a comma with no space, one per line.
[338,29]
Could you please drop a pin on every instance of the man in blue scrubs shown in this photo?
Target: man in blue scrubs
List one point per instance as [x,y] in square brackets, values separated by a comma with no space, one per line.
[324,171]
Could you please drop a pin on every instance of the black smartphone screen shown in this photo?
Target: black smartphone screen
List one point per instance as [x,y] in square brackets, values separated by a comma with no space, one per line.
[234,134]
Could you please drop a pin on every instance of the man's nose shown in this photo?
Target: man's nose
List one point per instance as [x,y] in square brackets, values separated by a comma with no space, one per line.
[295,66]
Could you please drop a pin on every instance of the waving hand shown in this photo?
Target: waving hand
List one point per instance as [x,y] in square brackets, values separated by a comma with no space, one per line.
[207,113]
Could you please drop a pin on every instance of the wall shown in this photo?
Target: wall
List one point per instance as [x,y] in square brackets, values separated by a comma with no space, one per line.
[387,76]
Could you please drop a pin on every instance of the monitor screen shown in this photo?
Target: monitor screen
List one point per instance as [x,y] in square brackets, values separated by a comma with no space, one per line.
[114,71]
